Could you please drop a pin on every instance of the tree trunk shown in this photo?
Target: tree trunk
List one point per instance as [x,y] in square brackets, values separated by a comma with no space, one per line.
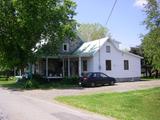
[156,74]
[146,72]
[150,73]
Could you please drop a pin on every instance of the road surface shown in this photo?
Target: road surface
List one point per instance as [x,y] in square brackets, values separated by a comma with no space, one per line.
[21,107]
[39,104]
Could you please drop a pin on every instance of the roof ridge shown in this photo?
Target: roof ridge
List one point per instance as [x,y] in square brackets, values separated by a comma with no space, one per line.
[97,39]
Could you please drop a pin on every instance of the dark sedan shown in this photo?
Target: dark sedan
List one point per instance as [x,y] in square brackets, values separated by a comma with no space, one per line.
[96,78]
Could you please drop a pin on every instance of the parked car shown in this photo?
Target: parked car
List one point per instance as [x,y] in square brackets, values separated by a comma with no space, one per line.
[96,78]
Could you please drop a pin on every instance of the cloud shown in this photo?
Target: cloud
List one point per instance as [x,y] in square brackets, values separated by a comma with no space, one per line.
[140,3]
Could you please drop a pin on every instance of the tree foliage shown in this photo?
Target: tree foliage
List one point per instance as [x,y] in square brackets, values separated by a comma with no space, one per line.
[152,10]
[151,47]
[24,23]
[151,41]
[92,31]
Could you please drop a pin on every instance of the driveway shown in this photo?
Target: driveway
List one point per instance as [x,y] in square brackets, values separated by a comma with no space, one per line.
[39,104]
[118,87]
[22,107]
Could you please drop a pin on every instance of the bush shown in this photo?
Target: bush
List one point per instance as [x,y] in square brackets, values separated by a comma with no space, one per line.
[39,79]
[31,83]
[71,80]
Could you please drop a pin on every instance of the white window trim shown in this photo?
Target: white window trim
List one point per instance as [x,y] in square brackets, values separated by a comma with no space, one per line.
[127,64]
[108,50]
[67,47]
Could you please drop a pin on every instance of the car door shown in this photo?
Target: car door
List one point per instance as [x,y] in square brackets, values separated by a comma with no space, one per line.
[93,78]
[104,78]
[98,79]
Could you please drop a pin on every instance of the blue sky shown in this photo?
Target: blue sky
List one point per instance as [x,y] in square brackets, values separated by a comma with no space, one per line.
[125,24]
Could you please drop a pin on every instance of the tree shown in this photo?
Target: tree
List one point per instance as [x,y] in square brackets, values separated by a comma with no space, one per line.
[24,23]
[92,31]
[152,10]
[151,47]
[146,66]
[151,41]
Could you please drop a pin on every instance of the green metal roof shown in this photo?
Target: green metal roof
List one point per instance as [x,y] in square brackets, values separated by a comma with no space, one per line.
[90,48]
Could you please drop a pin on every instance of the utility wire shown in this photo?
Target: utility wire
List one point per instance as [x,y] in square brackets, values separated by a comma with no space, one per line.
[106,25]
[111,12]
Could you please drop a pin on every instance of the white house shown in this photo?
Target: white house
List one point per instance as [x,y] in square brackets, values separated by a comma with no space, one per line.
[102,55]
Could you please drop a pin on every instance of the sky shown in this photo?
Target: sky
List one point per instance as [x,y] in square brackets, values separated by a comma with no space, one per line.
[125,24]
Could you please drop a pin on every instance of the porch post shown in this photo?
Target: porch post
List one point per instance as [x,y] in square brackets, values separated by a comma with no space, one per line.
[20,72]
[63,67]
[33,68]
[69,74]
[46,67]
[38,71]
[80,70]
[14,71]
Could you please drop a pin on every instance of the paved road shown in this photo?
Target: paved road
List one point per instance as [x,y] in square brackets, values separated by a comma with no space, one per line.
[22,107]
[39,104]
[3,115]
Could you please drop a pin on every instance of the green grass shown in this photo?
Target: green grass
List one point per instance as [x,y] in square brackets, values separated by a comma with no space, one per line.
[134,105]
[10,83]
[149,78]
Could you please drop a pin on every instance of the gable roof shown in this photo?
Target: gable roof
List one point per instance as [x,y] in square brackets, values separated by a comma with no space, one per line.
[125,52]
[90,48]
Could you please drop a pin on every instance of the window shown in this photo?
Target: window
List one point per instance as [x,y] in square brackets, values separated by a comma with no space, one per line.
[91,75]
[108,49]
[108,64]
[65,47]
[94,75]
[103,75]
[126,65]
[84,65]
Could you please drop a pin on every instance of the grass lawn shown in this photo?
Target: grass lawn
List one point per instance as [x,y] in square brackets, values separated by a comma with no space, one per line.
[149,78]
[8,83]
[133,105]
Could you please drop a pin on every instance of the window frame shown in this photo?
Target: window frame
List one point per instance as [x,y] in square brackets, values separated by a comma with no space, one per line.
[67,47]
[126,64]
[110,65]
[108,49]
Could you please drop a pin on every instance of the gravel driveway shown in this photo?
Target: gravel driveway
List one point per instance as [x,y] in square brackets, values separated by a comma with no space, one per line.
[118,87]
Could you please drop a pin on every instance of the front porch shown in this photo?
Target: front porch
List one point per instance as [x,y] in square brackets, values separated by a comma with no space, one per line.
[52,67]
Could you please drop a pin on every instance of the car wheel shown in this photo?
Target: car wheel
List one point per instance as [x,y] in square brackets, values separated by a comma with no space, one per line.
[93,84]
[111,83]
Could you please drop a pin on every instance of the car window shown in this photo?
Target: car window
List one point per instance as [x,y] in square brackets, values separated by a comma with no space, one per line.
[94,75]
[103,75]
[88,75]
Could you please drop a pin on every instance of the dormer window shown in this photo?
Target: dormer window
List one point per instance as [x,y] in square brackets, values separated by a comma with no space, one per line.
[108,49]
[65,47]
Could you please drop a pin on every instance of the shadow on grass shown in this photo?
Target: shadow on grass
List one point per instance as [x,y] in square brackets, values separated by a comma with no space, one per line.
[16,86]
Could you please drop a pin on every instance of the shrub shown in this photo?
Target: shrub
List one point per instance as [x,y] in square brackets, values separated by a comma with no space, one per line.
[39,79]
[71,80]
[31,83]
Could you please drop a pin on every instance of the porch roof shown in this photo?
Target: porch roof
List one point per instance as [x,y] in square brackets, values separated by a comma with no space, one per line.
[90,48]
